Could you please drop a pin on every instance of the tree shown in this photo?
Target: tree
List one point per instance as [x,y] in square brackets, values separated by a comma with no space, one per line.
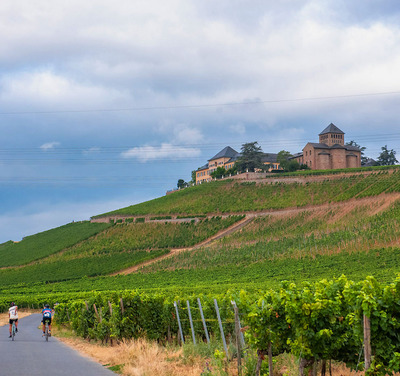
[283,159]
[364,159]
[387,157]
[287,164]
[218,173]
[231,171]
[182,184]
[193,181]
[250,158]
[292,165]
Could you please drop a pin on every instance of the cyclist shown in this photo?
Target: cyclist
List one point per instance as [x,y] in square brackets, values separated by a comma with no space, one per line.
[46,317]
[13,316]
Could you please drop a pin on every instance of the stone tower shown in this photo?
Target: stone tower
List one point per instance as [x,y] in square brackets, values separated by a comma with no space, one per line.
[331,135]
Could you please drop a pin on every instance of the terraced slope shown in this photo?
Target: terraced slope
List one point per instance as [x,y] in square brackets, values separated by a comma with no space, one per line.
[117,247]
[230,196]
[357,226]
[299,230]
[46,243]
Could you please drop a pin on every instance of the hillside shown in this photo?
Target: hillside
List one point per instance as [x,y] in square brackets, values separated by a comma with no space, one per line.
[279,248]
[47,243]
[107,251]
[296,190]
[320,227]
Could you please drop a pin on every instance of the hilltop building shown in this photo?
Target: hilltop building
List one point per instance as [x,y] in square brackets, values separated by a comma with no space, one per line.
[226,158]
[330,152]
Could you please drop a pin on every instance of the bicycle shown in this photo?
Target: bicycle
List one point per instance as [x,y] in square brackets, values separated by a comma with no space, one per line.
[46,331]
[13,330]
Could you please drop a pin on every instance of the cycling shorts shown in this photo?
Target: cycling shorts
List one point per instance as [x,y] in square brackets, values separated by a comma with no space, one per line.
[46,319]
[13,320]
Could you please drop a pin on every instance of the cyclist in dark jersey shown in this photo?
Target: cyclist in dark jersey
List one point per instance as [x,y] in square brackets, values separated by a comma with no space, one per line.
[46,317]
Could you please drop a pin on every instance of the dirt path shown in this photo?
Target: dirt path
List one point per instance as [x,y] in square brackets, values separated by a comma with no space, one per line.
[173,252]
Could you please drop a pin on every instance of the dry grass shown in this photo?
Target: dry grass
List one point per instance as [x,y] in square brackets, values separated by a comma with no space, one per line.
[21,313]
[144,358]
[137,357]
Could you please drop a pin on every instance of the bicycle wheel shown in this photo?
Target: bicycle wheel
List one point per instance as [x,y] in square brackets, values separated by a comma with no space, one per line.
[13,330]
[47,332]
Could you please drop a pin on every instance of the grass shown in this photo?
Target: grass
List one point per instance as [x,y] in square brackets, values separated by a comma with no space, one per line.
[43,244]
[142,357]
[360,227]
[116,248]
[355,238]
[135,357]
[230,196]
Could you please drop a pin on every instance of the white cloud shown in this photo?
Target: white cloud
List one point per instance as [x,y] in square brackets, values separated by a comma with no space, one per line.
[182,52]
[165,151]
[184,134]
[49,145]
[91,150]
[45,90]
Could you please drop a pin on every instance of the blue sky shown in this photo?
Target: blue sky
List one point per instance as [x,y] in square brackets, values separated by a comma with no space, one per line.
[106,104]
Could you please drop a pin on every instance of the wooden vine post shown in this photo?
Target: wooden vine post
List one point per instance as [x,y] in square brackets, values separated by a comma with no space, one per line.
[367,343]
[238,344]
[203,320]
[95,311]
[191,322]
[221,329]
[179,323]
[122,306]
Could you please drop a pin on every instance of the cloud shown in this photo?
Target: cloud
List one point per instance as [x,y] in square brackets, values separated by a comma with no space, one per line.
[182,56]
[165,151]
[45,90]
[92,150]
[49,145]
[187,52]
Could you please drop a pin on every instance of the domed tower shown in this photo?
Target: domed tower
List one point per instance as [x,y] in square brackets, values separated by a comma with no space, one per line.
[331,135]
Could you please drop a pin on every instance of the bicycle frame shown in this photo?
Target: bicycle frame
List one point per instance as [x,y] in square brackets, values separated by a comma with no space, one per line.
[13,330]
[46,333]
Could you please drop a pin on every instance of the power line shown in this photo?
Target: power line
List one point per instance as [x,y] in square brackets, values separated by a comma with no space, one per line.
[86,152]
[206,105]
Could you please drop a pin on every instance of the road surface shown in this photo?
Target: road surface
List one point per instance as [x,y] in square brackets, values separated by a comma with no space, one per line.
[31,355]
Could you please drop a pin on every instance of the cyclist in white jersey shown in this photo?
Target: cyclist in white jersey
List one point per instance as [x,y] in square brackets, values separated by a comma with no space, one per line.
[13,316]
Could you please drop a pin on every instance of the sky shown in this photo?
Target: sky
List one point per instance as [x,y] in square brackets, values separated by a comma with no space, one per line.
[104,104]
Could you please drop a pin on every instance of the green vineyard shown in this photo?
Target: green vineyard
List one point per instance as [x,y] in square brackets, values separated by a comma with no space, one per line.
[314,321]
[229,196]
[304,260]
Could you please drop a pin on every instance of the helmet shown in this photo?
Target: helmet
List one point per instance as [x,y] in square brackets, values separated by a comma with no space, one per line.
[12,304]
[47,306]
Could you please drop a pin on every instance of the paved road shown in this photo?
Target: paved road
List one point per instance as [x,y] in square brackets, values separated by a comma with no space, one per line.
[31,355]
